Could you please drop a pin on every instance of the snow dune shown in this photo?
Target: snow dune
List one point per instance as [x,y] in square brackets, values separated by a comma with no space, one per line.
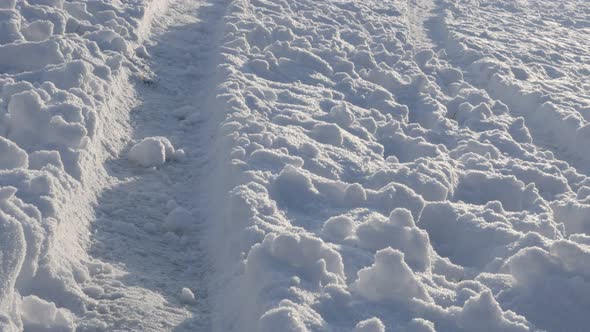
[272,165]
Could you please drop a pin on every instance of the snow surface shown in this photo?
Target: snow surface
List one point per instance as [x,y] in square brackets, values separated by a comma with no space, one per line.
[306,165]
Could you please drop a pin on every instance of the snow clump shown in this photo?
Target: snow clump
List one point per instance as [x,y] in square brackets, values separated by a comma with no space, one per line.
[153,151]
[187,296]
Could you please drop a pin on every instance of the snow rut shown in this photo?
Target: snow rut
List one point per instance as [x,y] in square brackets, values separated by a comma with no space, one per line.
[149,225]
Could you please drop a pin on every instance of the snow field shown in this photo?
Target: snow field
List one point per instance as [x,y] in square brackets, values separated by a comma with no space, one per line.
[376,183]
[401,165]
[543,82]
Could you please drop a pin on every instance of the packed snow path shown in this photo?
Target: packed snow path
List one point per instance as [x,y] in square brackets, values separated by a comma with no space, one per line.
[149,223]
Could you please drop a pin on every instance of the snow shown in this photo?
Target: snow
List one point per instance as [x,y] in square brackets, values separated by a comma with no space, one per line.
[283,318]
[390,279]
[187,296]
[152,151]
[309,165]
[420,325]
[399,232]
[368,128]
[338,228]
[40,315]
[57,96]
[370,325]
[179,220]
[12,156]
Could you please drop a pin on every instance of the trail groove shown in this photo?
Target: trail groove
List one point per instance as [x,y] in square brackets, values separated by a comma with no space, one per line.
[153,261]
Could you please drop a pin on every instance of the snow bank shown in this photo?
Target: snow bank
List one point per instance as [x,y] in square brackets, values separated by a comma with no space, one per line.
[59,63]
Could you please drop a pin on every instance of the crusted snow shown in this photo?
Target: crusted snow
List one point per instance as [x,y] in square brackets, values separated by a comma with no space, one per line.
[305,165]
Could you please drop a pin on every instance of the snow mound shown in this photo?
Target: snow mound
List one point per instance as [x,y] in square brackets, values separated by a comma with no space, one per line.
[282,318]
[399,232]
[372,164]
